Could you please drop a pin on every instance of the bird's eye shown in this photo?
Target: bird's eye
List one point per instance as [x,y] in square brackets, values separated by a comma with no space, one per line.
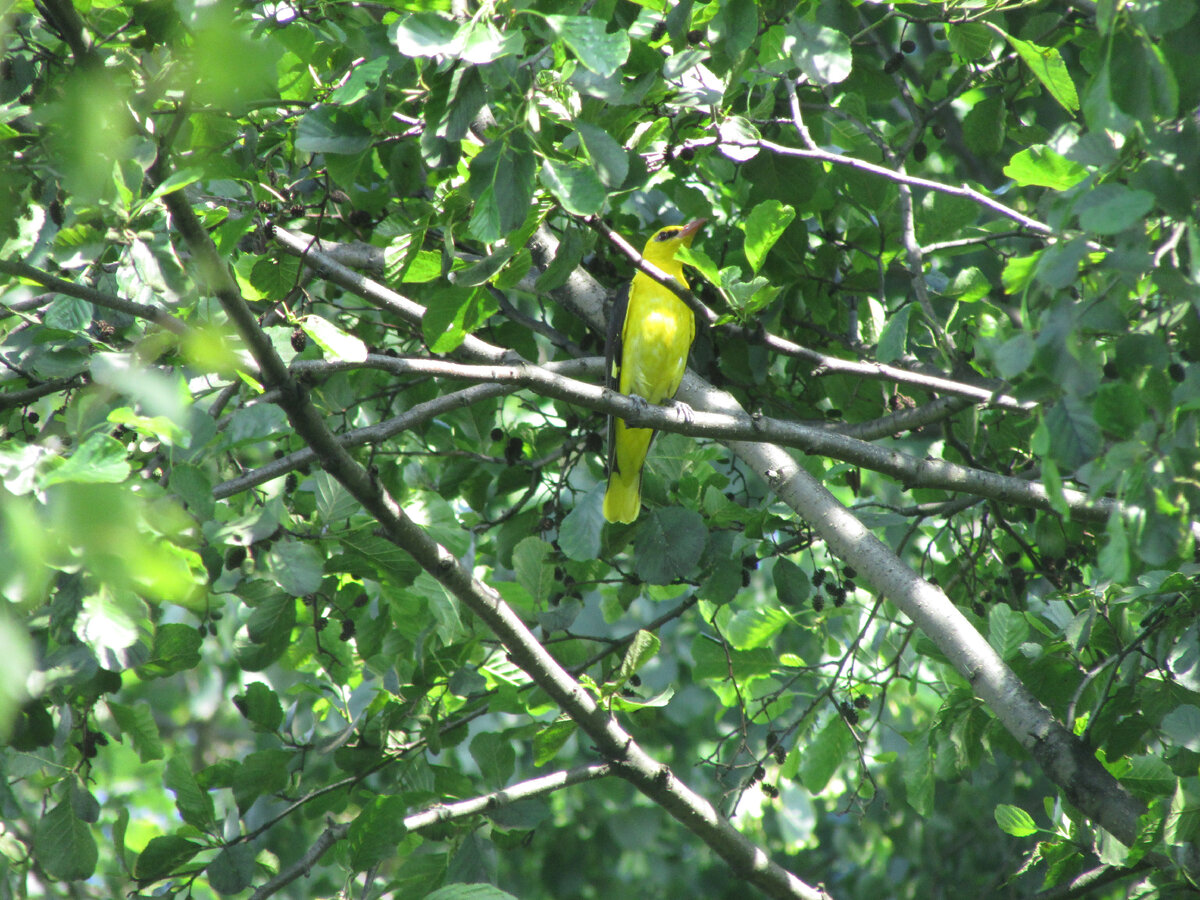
[667,233]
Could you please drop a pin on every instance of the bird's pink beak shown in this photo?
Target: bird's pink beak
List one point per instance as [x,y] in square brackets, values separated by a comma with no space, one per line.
[691,228]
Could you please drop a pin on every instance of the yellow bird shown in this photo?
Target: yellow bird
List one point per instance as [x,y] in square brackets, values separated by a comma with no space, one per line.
[649,336]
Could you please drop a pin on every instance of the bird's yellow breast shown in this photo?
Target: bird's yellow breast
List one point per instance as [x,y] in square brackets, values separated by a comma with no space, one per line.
[658,334]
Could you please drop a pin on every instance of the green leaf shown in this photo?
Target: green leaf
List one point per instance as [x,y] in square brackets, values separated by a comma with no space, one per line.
[608,157]
[642,649]
[195,805]
[64,845]
[1143,82]
[275,277]
[334,343]
[723,581]
[764,226]
[232,870]
[792,584]
[532,570]
[1014,820]
[735,27]
[334,503]
[1148,776]
[970,40]
[739,138]
[69,314]
[137,723]
[1047,64]
[1182,823]
[984,126]
[328,129]
[482,271]
[576,186]
[158,427]
[893,340]
[376,832]
[824,754]
[296,567]
[1119,409]
[192,485]
[376,557]
[501,181]
[1007,630]
[711,661]
[581,528]
[363,79]
[469,892]
[601,51]
[176,649]
[1182,727]
[549,740]
[177,180]
[1058,267]
[264,772]
[1041,166]
[425,34]
[753,628]
[1114,555]
[669,544]
[969,285]
[1112,208]
[916,769]
[495,756]
[261,706]
[822,54]
[404,260]
[1074,434]
[100,459]
[455,313]
[1014,355]
[162,856]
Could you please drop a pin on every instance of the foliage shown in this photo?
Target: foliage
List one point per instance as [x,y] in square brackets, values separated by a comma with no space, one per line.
[961,233]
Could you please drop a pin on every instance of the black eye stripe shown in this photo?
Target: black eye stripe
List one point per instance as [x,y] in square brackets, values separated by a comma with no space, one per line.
[667,235]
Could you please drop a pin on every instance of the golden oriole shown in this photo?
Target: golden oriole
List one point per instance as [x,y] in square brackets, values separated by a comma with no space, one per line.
[649,336]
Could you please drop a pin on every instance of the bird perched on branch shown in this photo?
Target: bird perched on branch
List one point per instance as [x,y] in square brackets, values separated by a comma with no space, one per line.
[649,336]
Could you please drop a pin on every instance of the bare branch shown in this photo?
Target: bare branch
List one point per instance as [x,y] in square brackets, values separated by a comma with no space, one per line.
[93,296]
[534,787]
[551,380]
[969,193]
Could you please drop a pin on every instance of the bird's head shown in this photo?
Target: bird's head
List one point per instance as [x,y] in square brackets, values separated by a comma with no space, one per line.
[666,241]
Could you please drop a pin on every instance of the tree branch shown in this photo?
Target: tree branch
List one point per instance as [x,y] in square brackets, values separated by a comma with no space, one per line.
[992,394]
[550,380]
[93,296]
[653,779]
[1065,760]
[441,813]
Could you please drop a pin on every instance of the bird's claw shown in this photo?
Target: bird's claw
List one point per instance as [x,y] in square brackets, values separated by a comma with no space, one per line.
[688,414]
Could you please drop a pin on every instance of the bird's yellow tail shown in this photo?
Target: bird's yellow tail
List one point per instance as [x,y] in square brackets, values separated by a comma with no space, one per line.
[623,499]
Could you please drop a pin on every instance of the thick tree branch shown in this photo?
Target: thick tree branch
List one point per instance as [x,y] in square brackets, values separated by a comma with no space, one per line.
[653,779]
[1063,758]
[551,380]
[93,296]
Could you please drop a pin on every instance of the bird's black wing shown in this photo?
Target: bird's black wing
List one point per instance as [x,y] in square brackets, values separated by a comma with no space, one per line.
[614,350]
